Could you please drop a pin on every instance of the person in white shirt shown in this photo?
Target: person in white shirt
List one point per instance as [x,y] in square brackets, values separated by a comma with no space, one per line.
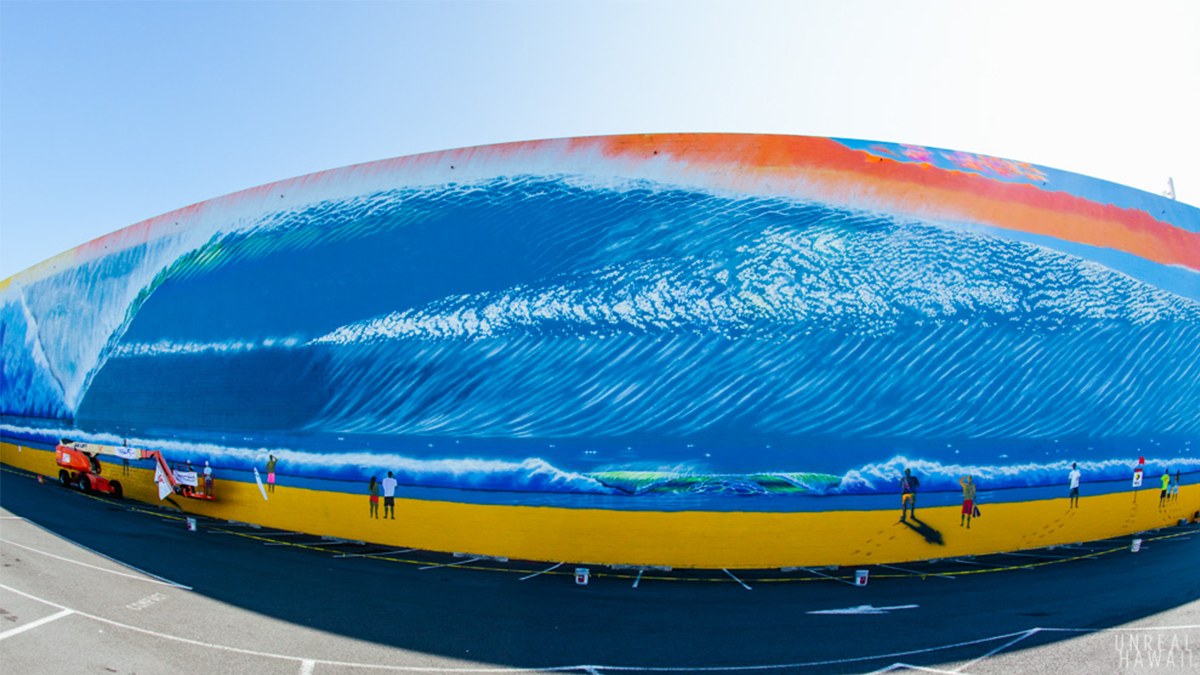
[389,496]
[1074,476]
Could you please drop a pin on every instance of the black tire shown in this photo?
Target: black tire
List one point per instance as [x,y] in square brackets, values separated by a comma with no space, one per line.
[115,488]
[85,484]
[64,478]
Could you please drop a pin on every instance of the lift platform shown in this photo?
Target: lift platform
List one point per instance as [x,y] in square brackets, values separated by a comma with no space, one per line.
[81,467]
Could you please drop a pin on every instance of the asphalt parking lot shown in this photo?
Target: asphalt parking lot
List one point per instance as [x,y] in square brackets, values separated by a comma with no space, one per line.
[89,584]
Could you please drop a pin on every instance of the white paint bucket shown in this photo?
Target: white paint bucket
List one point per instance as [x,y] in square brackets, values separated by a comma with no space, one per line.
[191,524]
[581,576]
[860,577]
[1135,546]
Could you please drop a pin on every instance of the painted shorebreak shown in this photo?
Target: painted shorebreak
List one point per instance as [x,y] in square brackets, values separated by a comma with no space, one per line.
[675,321]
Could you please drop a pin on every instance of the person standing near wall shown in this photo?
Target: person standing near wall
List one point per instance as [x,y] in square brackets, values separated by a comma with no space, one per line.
[389,496]
[908,494]
[1074,476]
[373,490]
[1166,488]
[271,473]
[968,501]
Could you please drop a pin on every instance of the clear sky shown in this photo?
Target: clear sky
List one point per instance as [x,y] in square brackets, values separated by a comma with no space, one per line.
[111,113]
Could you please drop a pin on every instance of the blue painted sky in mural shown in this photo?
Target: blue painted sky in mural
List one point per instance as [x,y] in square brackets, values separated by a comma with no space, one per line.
[113,113]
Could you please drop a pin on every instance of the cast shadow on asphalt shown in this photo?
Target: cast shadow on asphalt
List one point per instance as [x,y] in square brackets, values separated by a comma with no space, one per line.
[684,620]
[930,535]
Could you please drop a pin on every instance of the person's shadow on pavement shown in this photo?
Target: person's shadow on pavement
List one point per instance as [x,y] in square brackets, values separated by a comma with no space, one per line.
[931,535]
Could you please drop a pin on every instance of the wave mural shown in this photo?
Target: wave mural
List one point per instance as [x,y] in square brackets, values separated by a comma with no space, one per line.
[718,316]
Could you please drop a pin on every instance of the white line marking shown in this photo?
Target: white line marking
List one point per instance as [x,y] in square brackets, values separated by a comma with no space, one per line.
[1118,630]
[1035,555]
[361,555]
[999,649]
[736,579]
[924,574]
[548,569]
[899,665]
[909,666]
[461,562]
[34,624]
[810,570]
[307,667]
[110,558]
[419,669]
[863,609]
[156,580]
[639,579]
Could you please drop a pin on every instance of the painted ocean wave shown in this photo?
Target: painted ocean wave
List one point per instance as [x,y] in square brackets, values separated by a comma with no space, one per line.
[944,477]
[579,308]
[536,475]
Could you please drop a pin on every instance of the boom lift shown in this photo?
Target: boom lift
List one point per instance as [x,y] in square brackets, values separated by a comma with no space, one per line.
[80,464]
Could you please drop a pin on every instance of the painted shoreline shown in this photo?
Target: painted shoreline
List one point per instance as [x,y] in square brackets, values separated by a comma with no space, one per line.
[881,500]
[690,539]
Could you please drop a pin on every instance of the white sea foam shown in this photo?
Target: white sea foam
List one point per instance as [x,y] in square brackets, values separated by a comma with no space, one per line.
[939,476]
[226,347]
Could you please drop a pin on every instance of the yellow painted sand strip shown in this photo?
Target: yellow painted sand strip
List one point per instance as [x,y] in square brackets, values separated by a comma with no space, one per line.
[688,539]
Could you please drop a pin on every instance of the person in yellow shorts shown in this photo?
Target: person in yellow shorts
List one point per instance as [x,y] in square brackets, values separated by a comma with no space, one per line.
[908,494]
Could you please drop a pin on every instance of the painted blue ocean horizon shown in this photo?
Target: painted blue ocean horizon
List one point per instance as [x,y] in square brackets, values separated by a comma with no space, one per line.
[567,334]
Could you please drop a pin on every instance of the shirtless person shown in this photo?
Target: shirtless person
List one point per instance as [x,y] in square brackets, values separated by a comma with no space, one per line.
[968,501]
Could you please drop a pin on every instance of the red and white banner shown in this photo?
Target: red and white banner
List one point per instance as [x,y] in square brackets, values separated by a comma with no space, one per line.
[160,479]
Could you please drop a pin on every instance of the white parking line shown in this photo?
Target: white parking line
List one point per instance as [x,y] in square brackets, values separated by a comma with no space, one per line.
[1012,638]
[461,562]
[1037,555]
[155,580]
[848,583]
[384,553]
[737,579]
[909,666]
[34,624]
[999,649]
[548,569]
[924,574]
[307,667]
[107,557]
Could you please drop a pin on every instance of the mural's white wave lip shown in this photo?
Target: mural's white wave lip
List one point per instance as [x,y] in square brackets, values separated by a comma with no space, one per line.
[192,348]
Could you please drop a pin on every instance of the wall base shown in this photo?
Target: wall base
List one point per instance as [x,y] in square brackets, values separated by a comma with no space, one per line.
[690,539]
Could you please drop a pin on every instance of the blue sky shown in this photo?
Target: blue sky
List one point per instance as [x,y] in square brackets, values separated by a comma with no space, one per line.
[111,113]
